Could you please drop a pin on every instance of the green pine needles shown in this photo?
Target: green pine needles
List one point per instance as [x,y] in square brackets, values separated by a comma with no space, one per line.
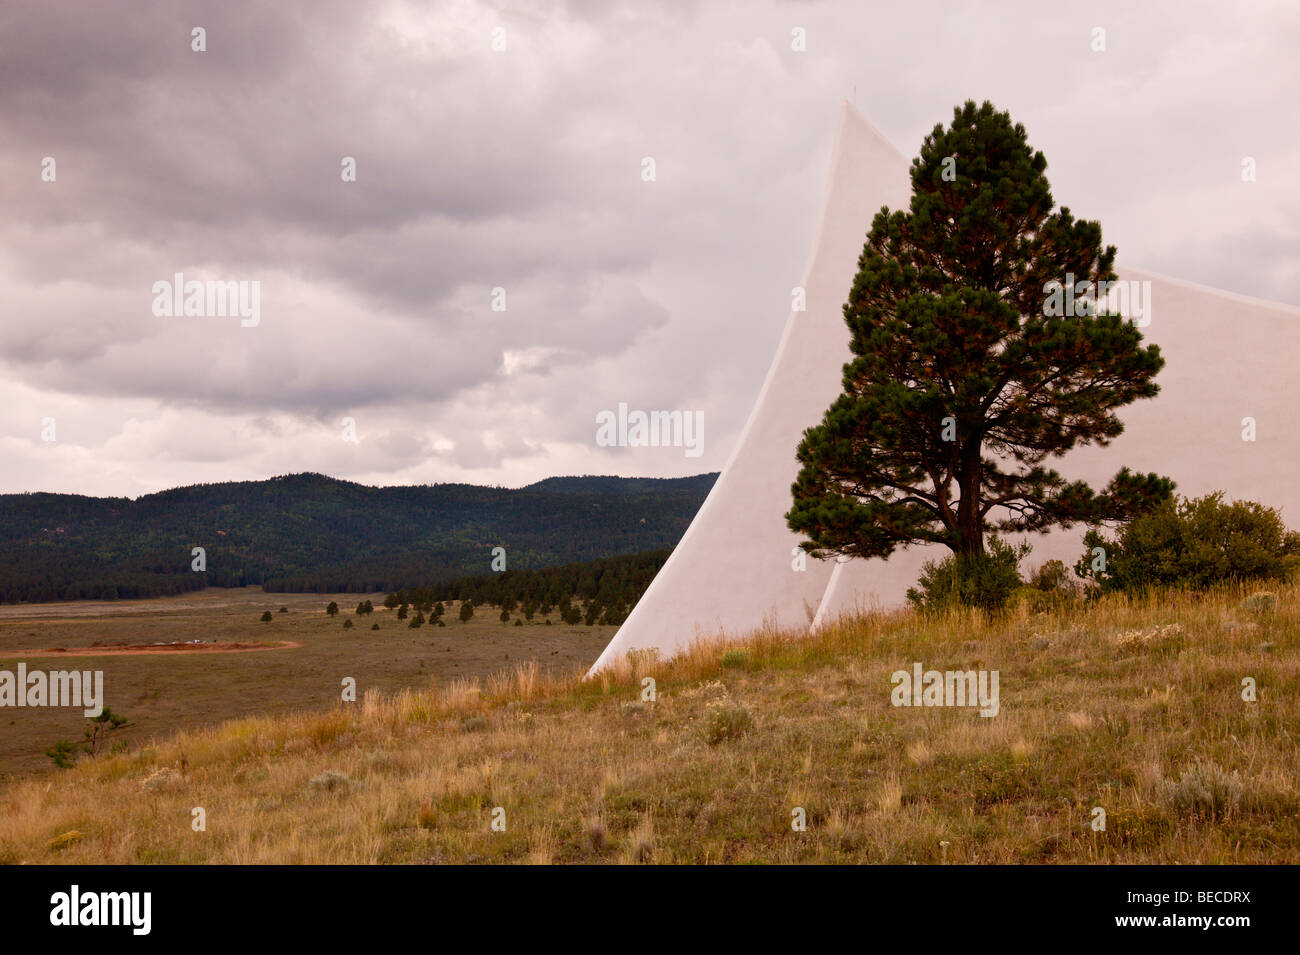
[963,382]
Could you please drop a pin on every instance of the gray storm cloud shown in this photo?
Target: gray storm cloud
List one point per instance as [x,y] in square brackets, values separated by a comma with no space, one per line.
[521,169]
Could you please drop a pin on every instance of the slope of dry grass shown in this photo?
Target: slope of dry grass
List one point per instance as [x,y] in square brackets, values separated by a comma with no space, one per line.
[1134,706]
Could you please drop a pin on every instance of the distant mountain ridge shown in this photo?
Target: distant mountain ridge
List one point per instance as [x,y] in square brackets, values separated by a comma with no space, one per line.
[310,532]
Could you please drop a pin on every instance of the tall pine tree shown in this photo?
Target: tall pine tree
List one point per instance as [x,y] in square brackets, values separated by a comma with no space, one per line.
[965,380]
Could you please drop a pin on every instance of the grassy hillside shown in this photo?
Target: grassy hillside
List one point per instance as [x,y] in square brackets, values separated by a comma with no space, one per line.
[1133,706]
[308,532]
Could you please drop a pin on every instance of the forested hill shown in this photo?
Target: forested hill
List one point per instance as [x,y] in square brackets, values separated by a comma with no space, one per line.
[308,532]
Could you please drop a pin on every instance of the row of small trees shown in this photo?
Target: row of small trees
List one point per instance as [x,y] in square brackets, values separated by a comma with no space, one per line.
[404,602]
[602,591]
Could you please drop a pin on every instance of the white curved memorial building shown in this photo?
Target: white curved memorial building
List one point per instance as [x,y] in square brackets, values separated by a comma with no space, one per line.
[1228,358]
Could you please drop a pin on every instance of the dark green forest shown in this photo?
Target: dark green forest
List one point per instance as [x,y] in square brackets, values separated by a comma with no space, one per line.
[312,533]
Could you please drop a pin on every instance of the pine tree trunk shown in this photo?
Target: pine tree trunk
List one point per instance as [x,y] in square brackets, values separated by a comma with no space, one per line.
[969,526]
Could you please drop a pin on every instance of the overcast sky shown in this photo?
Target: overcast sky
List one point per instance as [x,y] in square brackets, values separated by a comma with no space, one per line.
[522,169]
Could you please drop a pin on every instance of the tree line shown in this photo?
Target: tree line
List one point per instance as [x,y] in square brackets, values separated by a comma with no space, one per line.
[307,533]
[602,591]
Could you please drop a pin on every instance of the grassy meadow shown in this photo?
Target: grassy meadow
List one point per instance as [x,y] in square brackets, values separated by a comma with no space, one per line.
[1130,705]
[166,692]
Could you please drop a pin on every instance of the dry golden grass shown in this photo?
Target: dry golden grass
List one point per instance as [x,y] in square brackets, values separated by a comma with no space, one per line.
[1131,705]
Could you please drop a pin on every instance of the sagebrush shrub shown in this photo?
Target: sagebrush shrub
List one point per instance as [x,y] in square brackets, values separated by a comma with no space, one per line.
[1260,602]
[726,720]
[1205,787]
[329,781]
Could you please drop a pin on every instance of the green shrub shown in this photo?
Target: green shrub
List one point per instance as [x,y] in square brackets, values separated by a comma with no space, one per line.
[1053,575]
[1050,587]
[1038,601]
[63,754]
[266,616]
[735,658]
[985,580]
[1191,542]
